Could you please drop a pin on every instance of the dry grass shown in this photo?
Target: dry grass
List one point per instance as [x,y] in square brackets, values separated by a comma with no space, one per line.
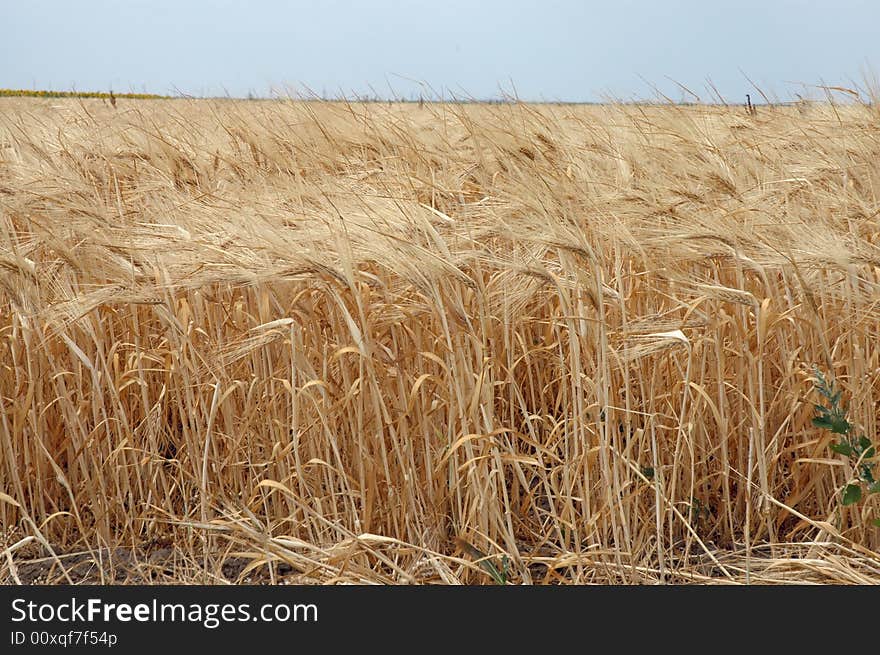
[365,343]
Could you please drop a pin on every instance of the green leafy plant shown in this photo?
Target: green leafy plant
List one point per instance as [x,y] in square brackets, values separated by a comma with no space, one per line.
[856,447]
[499,577]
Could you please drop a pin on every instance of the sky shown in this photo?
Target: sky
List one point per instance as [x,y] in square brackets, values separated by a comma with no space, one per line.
[549,50]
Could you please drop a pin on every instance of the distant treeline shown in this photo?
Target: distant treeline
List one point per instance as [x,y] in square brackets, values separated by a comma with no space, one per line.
[77,94]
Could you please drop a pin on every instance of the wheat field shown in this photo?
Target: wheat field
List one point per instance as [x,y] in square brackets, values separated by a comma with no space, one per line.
[317,343]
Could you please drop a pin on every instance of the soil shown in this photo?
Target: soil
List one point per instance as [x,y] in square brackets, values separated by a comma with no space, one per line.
[157,565]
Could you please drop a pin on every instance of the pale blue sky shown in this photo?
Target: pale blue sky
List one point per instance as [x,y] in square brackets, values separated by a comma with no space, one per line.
[550,50]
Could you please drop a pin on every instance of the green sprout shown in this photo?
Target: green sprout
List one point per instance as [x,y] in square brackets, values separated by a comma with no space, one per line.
[857,448]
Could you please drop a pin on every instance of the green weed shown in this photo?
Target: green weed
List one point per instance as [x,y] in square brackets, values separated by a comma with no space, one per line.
[857,448]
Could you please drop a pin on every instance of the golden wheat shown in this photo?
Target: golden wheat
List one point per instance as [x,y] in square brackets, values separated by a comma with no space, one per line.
[362,342]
